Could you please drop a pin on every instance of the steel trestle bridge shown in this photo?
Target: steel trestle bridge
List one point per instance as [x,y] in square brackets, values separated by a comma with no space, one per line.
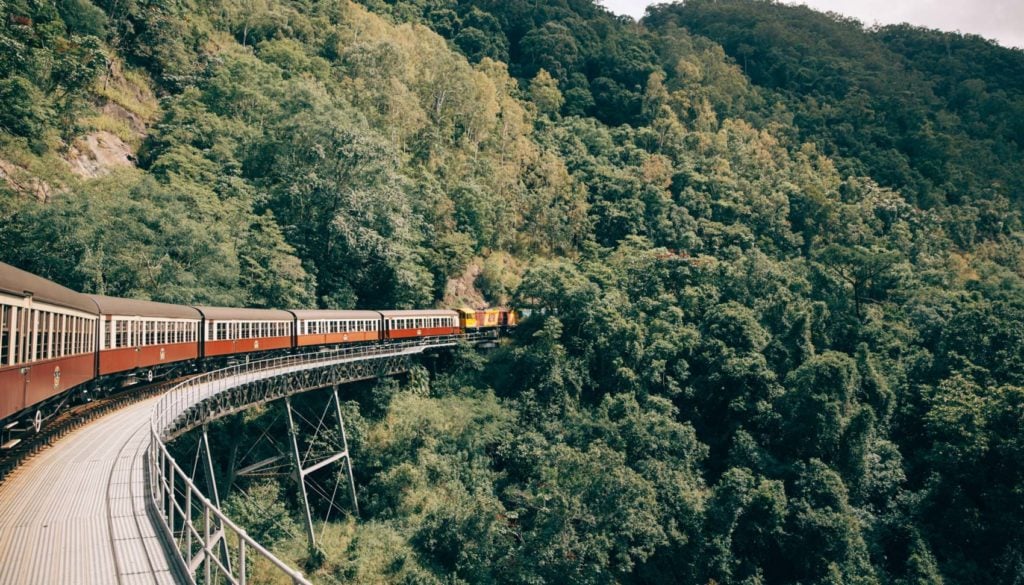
[109,504]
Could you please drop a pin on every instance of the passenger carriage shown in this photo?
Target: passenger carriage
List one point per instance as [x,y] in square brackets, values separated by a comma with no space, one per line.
[334,327]
[229,331]
[412,324]
[144,336]
[47,341]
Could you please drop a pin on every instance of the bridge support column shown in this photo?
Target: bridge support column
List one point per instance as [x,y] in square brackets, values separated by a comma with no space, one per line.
[347,456]
[211,485]
[300,476]
[325,459]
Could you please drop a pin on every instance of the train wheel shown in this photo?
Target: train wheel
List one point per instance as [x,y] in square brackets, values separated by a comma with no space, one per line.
[37,421]
[149,376]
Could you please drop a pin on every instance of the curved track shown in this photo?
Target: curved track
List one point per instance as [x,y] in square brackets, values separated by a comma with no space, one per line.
[76,513]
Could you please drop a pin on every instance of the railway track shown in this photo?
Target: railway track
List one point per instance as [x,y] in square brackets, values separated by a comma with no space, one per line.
[72,418]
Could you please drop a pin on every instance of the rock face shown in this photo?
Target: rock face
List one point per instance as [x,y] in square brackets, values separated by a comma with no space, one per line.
[98,153]
[461,291]
[21,181]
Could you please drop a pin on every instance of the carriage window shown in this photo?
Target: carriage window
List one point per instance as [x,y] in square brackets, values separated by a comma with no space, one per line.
[38,331]
[67,332]
[54,339]
[121,331]
[53,344]
[22,335]
[5,335]
[222,331]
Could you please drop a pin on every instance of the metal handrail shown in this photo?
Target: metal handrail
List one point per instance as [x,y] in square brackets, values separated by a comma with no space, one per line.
[165,473]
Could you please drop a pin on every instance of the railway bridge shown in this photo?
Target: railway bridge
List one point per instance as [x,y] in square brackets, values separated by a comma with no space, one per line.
[109,504]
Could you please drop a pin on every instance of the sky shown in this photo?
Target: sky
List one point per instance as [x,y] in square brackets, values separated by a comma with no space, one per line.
[1000,20]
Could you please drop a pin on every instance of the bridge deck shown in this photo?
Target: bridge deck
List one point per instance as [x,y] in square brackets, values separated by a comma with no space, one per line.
[76,513]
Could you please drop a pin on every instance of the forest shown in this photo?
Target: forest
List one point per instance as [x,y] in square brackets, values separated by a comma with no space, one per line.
[775,262]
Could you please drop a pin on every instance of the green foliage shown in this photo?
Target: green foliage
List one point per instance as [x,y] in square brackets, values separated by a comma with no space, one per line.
[545,94]
[932,113]
[261,511]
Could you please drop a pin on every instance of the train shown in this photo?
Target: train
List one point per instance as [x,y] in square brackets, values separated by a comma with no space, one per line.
[58,345]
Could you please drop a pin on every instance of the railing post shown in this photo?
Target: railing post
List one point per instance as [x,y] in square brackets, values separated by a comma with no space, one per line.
[188,521]
[170,509]
[242,579]
[206,542]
